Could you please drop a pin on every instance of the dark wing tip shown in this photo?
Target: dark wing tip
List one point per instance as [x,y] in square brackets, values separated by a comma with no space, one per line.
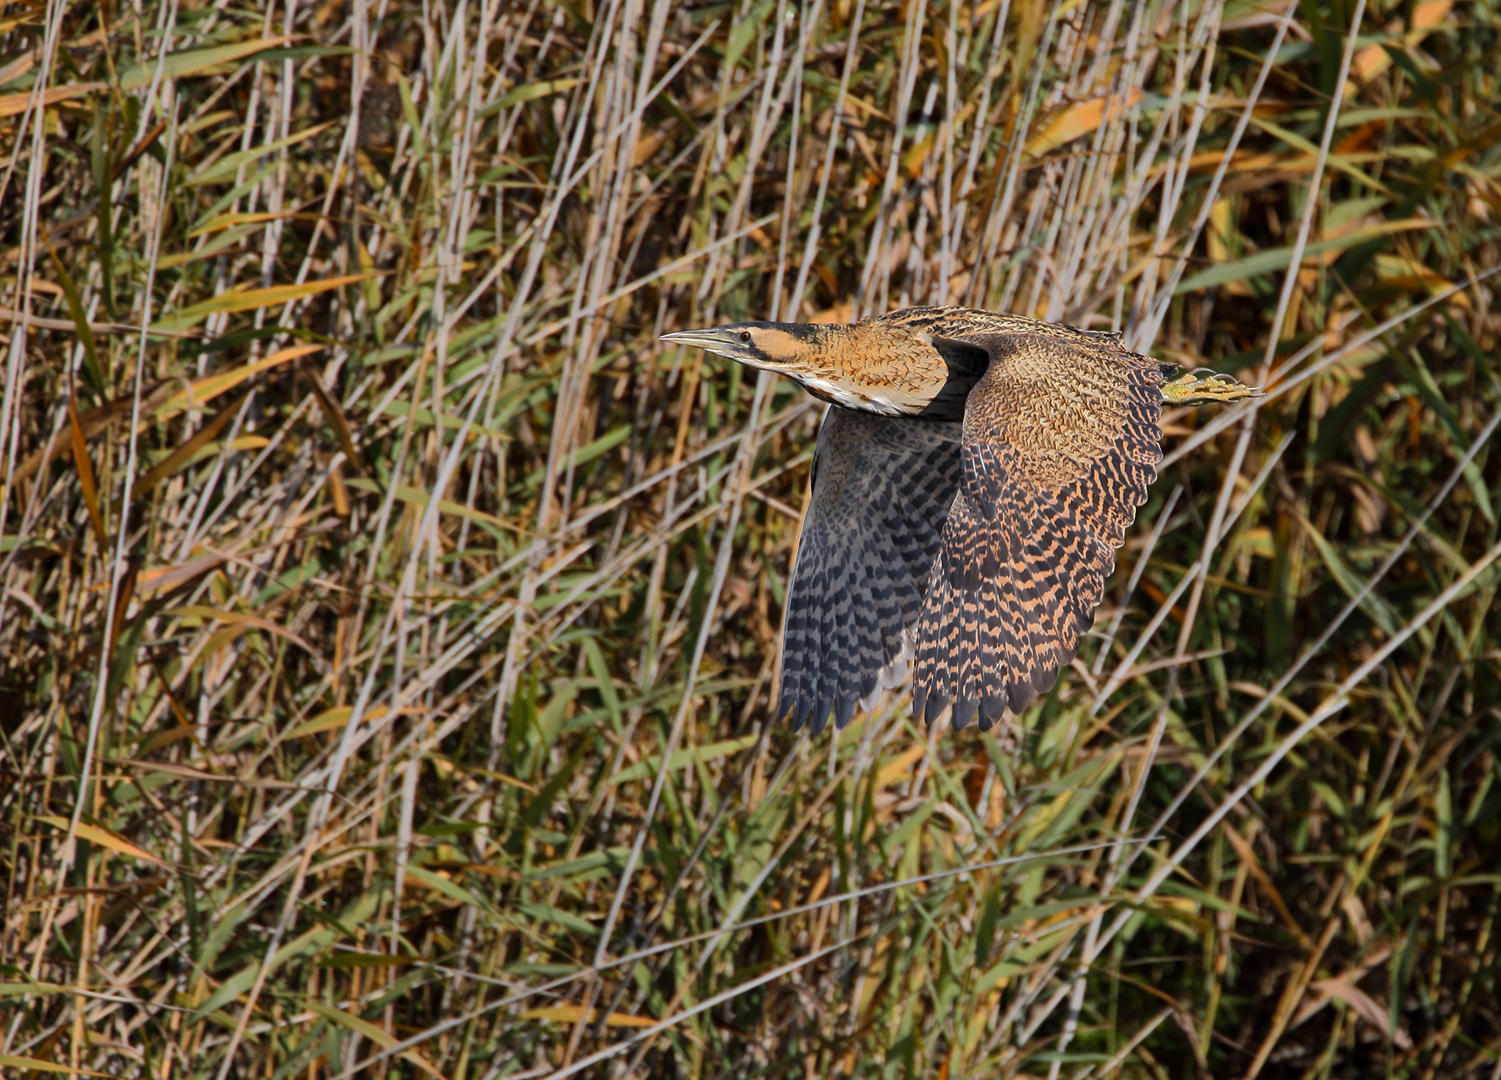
[844,711]
[1044,678]
[1022,694]
[800,717]
[821,714]
[992,710]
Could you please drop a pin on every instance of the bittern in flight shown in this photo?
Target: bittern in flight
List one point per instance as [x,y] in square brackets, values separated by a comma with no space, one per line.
[974,474]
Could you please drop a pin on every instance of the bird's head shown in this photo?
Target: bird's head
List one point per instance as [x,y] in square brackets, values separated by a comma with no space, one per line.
[786,347]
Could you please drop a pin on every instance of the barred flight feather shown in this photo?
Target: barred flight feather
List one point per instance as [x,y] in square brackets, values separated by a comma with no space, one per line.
[881,492]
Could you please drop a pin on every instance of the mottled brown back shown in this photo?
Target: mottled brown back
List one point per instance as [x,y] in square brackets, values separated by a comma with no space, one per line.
[1060,444]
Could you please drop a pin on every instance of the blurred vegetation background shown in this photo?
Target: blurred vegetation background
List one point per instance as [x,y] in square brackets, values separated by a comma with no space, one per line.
[389,622]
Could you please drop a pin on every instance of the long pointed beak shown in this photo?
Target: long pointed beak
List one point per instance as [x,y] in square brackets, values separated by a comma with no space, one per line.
[722,342]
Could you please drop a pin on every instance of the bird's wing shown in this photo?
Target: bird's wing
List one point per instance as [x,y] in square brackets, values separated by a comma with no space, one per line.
[1060,444]
[881,489]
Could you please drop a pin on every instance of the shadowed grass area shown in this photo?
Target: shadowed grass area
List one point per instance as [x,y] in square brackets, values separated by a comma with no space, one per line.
[389,622]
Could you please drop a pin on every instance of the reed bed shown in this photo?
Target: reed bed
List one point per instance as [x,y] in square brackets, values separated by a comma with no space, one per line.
[389,622]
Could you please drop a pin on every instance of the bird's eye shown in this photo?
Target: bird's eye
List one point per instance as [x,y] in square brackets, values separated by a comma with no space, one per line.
[745,336]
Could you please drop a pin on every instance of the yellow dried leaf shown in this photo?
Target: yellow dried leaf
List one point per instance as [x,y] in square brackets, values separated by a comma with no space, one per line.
[224,221]
[163,578]
[573,1013]
[1183,905]
[1057,918]
[206,389]
[241,618]
[1221,228]
[899,766]
[179,65]
[375,1034]
[173,66]
[251,299]
[1079,119]
[15,1061]
[102,837]
[330,719]
[1426,17]
[14,104]
[1399,271]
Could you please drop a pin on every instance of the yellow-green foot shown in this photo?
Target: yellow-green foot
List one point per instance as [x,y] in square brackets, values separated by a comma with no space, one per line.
[1190,389]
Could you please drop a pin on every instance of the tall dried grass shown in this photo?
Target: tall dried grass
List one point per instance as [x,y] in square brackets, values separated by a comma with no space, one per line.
[388,621]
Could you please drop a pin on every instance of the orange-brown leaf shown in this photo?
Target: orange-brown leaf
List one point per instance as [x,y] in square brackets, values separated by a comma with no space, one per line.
[180,457]
[1079,119]
[334,413]
[242,619]
[209,387]
[13,104]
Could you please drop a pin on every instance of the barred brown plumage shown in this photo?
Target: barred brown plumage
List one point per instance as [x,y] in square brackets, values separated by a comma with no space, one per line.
[973,476]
